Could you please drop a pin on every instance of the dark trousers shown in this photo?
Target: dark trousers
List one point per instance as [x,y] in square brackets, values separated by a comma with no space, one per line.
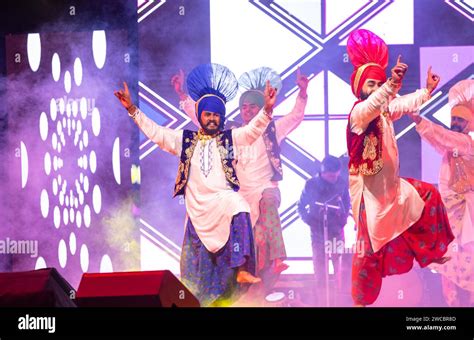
[341,263]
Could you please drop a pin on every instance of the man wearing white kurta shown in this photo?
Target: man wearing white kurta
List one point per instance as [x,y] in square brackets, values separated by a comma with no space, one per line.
[218,249]
[398,219]
[456,185]
[258,167]
[389,199]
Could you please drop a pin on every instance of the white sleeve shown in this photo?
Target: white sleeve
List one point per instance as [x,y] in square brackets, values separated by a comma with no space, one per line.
[366,111]
[408,103]
[288,123]
[444,140]
[249,133]
[167,139]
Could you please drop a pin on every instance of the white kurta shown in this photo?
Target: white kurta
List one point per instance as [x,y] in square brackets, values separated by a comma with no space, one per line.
[210,201]
[445,142]
[254,169]
[392,204]
[255,172]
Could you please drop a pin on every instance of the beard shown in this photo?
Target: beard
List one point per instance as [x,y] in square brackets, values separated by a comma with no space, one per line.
[211,128]
[364,95]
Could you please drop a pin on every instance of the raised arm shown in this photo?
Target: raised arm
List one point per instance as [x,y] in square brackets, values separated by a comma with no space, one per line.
[412,102]
[366,111]
[185,102]
[189,107]
[288,123]
[408,103]
[444,140]
[167,139]
[249,133]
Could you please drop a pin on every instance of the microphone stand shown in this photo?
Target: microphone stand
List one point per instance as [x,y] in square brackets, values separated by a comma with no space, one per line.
[327,206]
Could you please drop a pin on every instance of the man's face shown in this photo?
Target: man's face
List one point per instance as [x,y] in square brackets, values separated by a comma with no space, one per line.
[248,111]
[210,122]
[458,124]
[369,87]
[330,177]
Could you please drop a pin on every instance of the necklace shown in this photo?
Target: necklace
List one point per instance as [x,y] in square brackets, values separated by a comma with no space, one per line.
[203,137]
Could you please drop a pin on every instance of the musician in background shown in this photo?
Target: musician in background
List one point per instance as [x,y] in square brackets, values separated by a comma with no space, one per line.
[330,188]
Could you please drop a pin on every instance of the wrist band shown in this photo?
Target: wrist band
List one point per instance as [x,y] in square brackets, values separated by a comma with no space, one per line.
[132,111]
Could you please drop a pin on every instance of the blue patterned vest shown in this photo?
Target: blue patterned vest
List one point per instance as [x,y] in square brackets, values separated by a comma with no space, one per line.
[273,151]
[225,147]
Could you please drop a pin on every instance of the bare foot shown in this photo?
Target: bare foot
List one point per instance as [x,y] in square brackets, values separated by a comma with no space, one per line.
[279,266]
[359,305]
[442,260]
[245,277]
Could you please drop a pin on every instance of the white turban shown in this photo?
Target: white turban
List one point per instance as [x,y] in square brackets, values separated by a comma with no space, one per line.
[462,101]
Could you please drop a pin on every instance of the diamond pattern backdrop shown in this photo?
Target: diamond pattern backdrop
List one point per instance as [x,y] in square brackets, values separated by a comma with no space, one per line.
[285,34]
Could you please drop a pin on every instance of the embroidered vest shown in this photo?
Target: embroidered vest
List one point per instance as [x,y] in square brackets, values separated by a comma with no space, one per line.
[365,150]
[271,146]
[225,148]
[462,173]
[273,151]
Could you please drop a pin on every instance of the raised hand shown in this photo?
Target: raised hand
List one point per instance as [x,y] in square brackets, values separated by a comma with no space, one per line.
[432,80]
[399,70]
[178,81]
[302,82]
[124,96]
[270,98]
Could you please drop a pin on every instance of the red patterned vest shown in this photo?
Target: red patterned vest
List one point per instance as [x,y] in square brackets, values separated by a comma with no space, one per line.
[365,150]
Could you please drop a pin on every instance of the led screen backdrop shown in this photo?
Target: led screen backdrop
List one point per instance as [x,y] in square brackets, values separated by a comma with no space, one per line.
[71,154]
[69,167]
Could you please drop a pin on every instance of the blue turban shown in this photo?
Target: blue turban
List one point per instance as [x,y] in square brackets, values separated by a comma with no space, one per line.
[211,86]
[211,103]
[255,81]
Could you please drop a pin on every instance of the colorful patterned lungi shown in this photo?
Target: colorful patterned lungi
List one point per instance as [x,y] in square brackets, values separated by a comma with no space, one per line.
[425,241]
[268,235]
[211,277]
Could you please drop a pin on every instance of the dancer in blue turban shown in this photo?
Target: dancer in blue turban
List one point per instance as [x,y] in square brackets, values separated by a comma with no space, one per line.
[259,166]
[218,255]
